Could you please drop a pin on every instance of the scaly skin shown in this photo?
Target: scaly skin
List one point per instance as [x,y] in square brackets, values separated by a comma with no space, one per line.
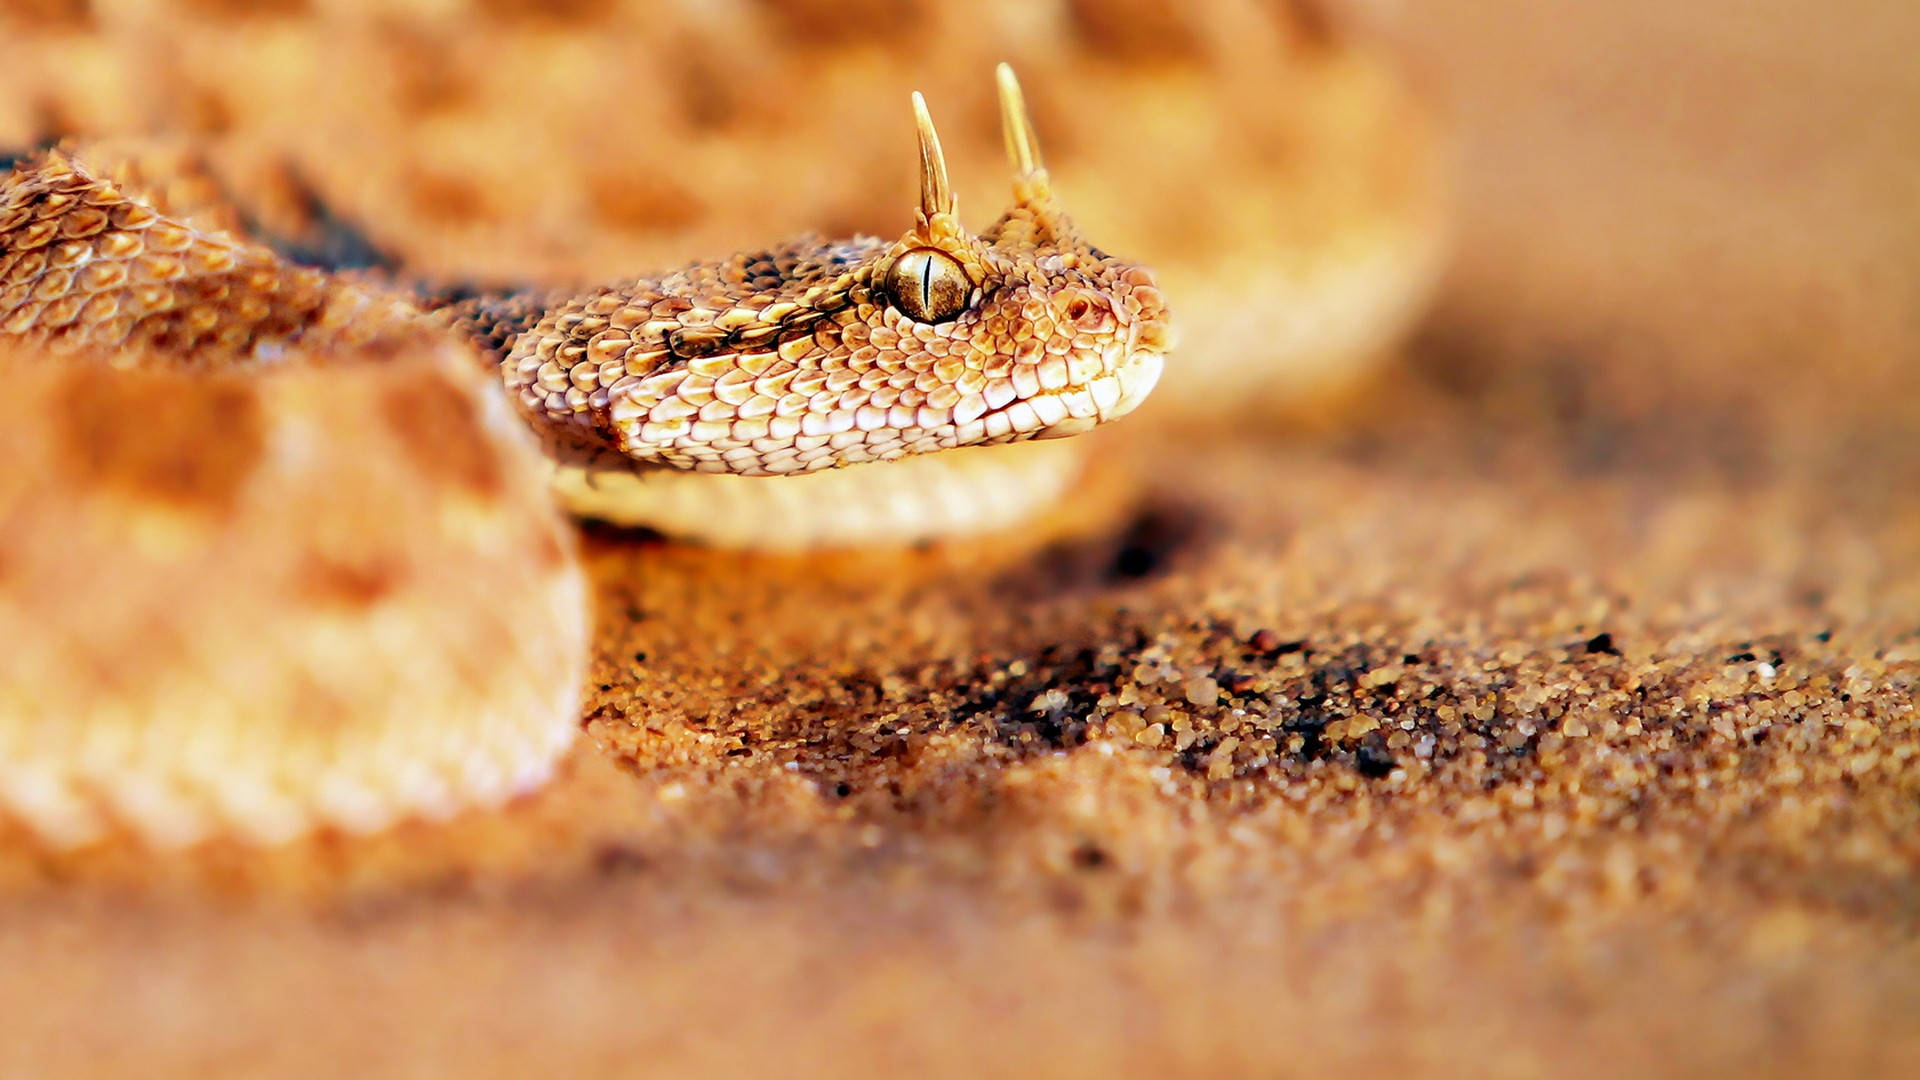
[278,556]
[802,357]
[790,360]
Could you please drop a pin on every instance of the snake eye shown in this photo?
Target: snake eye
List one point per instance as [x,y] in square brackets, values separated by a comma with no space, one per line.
[928,285]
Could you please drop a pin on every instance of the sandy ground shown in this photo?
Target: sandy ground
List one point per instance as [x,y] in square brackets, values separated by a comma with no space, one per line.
[1551,713]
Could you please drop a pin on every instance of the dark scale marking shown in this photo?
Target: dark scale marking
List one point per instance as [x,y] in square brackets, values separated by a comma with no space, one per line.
[117,440]
[643,203]
[1308,21]
[352,583]
[11,157]
[557,12]
[54,14]
[325,239]
[239,10]
[552,546]
[845,23]
[490,318]
[440,427]
[1141,31]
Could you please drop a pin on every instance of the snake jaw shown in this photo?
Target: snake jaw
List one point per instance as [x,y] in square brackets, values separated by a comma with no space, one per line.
[1078,410]
[1146,375]
[1126,384]
[1129,313]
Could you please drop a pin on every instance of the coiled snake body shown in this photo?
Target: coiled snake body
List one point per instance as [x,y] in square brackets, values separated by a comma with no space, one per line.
[263,663]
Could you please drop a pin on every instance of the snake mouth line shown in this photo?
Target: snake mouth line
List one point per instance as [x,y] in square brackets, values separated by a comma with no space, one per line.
[1077,409]
[1145,353]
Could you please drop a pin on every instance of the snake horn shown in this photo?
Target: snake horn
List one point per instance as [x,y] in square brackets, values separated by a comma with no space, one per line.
[936,193]
[1023,149]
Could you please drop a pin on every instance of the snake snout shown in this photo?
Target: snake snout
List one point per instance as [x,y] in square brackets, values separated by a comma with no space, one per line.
[1158,336]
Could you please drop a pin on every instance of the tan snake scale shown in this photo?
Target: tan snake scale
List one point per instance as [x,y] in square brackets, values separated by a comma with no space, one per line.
[808,356]
[396,672]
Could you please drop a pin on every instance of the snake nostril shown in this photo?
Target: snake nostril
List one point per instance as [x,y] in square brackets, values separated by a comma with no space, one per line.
[1085,310]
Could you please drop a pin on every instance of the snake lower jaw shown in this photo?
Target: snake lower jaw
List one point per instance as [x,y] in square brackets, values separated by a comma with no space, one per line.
[1147,367]
[1077,410]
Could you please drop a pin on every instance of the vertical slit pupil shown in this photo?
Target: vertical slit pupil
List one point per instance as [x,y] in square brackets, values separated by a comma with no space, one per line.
[927,285]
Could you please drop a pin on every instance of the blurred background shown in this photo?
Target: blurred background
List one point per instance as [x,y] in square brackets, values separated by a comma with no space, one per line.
[1721,196]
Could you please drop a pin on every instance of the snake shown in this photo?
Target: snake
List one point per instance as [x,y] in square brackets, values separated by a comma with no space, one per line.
[294,554]
[251,595]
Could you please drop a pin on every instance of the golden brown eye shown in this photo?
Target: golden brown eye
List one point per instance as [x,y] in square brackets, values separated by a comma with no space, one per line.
[928,285]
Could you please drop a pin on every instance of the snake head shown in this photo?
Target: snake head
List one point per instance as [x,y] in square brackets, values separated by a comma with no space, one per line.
[817,354]
[1055,336]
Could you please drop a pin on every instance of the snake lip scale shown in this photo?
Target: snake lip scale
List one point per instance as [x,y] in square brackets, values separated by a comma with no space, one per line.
[293,561]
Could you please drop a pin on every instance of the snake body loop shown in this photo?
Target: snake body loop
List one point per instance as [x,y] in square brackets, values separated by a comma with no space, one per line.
[267,658]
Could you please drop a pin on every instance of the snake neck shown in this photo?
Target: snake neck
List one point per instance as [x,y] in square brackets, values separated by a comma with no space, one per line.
[493,321]
[490,319]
